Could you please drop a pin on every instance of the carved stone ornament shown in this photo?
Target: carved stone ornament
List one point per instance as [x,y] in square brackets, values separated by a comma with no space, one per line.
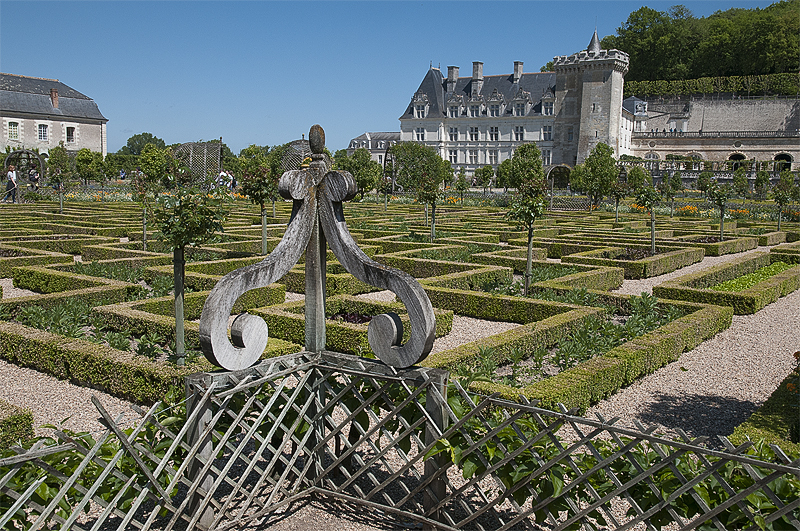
[317,216]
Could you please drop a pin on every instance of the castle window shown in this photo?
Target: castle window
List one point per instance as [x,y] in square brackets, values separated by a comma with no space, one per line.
[70,134]
[13,130]
[473,134]
[519,133]
[547,157]
[547,108]
[420,134]
[474,110]
[494,134]
[594,107]
[43,132]
[454,111]
[492,156]
[570,134]
[473,156]
[454,134]
[380,159]
[519,109]
[420,111]
[494,110]
[453,156]
[547,132]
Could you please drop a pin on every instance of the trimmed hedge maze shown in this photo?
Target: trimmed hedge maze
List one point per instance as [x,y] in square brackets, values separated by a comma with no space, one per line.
[97,308]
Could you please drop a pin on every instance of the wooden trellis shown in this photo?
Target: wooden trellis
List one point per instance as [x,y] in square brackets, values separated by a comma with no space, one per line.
[354,429]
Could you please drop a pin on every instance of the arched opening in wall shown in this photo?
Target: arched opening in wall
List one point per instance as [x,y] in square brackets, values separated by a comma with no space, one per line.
[560,176]
[737,159]
[29,165]
[695,159]
[783,161]
[651,156]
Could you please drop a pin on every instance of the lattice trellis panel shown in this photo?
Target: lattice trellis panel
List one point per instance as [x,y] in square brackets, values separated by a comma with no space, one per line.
[403,441]
[203,159]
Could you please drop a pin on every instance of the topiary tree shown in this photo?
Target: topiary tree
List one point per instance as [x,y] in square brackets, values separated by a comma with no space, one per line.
[783,192]
[90,166]
[667,192]
[504,175]
[364,170]
[188,215]
[600,172]
[421,168]
[461,184]
[704,181]
[617,191]
[483,177]
[649,198]
[528,203]
[637,178]
[145,182]
[762,184]
[59,171]
[719,195]
[740,183]
[258,183]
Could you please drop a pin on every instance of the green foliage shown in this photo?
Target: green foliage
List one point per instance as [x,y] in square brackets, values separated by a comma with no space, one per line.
[747,281]
[761,184]
[258,182]
[504,172]
[69,318]
[675,45]
[421,169]
[59,166]
[637,178]
[483,176]
[648,197]
[740,183]
[597,173]
[704,180]
[90,166]
[364,170]
[136,144]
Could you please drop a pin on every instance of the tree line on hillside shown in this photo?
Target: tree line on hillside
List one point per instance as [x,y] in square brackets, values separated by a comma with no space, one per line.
[674,44]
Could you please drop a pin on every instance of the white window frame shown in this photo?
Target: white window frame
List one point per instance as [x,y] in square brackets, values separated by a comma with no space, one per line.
[453,156]
[474,136]
[420,134]
[492,156]
[42,132]
[13,130]
[547,132]
[454,111]
[473,156]
[453,134]
[74,134]
[494,110]
[519,109]
[547,157]
[547,108]
[419,111]
[494,134]
[519,133]
[474,111]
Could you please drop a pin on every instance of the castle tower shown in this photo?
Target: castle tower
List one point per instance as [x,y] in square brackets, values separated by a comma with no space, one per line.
[588,101]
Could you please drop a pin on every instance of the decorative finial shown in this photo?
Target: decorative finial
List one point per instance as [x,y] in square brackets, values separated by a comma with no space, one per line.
[316,139]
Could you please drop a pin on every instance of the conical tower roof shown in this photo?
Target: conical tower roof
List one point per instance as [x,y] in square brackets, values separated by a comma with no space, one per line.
[594,45]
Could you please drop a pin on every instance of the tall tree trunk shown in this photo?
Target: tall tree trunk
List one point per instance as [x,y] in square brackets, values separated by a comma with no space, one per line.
[616,209]
[177,274]
[144,228]
[263,230]
[721,224]
[60,200]
[529,263]
[433,222]
[653,231]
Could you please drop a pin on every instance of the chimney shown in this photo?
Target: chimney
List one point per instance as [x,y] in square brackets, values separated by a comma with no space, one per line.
[477,77]
[452,78]
[517,71]
[54,97]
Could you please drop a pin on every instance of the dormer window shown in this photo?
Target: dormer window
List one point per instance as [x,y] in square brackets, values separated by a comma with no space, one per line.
[519,109]
[474,111]
[419,111]
[494,110]
[547,108]
[454,111]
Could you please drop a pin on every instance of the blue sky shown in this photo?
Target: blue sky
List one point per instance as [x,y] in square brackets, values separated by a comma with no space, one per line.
[264,72]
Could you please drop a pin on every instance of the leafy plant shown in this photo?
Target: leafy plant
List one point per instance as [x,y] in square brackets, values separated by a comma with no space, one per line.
[747,281]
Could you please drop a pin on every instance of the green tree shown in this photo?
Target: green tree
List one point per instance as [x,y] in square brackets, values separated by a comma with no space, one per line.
[258,183]
[145,182]
[462,184]
[420,168]
[364,170]
[704,181]
[637,178]
[782,192]
[504,175]
[136,144]
[89,166]
[649,198]
[762,184]
[528,202]
[740,183]
[59,171]
[549,66]
[597,173]
[719,194]
[617,191]
[483,177]
[667,190]
[190,214]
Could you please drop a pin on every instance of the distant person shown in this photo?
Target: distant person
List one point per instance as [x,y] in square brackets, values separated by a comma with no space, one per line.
[33,177]
[11,184]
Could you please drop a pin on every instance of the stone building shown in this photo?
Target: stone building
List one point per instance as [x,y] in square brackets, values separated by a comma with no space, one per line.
[375,143]
[479,120]
[41,113]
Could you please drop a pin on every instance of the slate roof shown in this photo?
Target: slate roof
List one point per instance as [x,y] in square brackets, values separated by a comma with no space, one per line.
[434,85]
[31,95]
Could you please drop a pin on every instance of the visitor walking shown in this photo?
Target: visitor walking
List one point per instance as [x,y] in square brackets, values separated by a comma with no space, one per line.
[11,185]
